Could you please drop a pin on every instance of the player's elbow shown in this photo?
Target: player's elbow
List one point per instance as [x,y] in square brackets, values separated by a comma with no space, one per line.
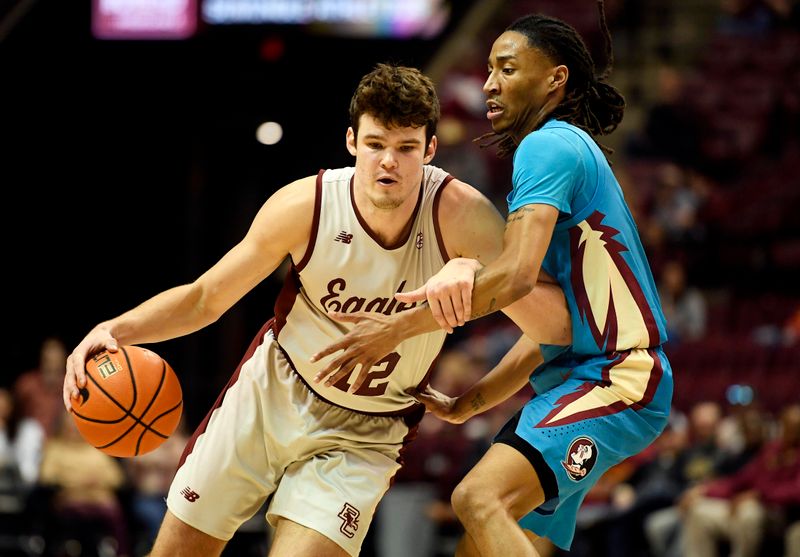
[520,285]
[206,307]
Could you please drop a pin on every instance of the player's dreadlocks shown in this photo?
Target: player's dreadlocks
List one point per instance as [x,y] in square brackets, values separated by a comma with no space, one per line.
[589,103]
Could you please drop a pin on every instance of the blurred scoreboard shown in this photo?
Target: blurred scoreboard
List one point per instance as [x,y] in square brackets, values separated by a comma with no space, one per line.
[178,19]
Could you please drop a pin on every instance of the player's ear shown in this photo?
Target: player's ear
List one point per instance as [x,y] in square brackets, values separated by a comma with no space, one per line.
[559,77]
[431,150]
[351,141]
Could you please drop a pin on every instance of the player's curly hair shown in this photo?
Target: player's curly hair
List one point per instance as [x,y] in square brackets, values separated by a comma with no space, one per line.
[396,96]
[589,102]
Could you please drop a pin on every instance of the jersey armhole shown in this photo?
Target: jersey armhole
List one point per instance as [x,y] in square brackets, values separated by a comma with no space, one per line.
[312,238]
[439,240]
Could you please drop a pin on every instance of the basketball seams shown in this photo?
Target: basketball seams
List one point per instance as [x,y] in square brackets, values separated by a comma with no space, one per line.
[150,405]
[129,411]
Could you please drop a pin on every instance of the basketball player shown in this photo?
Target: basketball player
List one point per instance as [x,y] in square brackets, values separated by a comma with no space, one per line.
[323,454]
[607,395]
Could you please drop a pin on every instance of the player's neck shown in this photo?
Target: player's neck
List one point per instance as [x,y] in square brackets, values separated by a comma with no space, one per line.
[390,226]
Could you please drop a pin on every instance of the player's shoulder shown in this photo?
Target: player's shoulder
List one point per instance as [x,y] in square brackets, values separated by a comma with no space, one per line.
[458,194]
[555,135]
[297,196]
[462,206]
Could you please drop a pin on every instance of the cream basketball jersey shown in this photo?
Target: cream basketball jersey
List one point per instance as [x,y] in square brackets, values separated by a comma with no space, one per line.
[346,269]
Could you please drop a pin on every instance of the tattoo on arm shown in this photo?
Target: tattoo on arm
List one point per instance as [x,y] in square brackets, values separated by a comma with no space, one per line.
[519,214]
[477,401]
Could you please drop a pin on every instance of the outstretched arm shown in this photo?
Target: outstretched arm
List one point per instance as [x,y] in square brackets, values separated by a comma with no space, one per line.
[504,280]
[282,226]
[502,382]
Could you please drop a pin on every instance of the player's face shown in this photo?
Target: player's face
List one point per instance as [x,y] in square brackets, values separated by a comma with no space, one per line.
[519,83]
[389,161]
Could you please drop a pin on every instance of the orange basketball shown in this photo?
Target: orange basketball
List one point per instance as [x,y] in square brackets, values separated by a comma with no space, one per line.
[131,403]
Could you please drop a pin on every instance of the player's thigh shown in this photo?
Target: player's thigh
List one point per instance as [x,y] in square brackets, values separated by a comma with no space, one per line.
[503,474]
[178,539]
[295,540]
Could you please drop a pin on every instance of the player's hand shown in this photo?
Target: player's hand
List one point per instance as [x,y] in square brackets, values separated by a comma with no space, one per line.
[438,404]
[448,293]
[97,340]
[371,338]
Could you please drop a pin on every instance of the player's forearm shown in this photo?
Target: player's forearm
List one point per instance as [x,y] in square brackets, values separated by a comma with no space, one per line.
[498,286]
[415,321]
[170,314]
[543,315]
[502,382]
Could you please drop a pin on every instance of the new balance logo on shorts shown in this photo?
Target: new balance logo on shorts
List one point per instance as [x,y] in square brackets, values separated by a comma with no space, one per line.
[190,495]
[349,515]
[344,237]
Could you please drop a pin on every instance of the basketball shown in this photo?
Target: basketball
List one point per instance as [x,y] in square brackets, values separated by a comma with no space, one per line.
[131,404]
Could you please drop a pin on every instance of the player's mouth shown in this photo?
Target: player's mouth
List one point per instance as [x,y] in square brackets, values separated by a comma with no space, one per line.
[495,110]
[387,181]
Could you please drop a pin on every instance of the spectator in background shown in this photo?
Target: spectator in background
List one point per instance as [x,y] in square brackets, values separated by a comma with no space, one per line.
[85,504]
[677,203]
[21,442]
[418,500]
[735,508]
[670,130]
[39,391]
[151,475]
[792,540]
[695,463]
[684,306]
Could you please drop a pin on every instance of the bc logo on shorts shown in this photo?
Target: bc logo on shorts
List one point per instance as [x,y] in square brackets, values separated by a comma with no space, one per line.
[349,515]
[580,458]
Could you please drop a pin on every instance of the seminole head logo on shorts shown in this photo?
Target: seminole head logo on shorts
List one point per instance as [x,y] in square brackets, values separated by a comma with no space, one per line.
[580,458]
[349,515]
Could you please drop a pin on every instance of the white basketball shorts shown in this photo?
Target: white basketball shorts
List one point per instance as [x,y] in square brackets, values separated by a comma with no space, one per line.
[325,467]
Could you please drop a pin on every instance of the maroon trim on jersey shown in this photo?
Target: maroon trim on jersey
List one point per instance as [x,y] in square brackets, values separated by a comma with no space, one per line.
[312,239]
[428,374]
[435,214]
[286,298]
[412,420]
[654,381]
[402,241]
[257,341]
[398,413]
[588,386]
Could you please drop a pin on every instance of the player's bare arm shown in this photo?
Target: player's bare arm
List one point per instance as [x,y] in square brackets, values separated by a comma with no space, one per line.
[375,335]
[281,227]
[503,381]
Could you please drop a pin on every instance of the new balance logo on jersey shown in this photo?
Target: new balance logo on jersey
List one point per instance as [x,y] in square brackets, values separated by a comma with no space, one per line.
[349,515]
[344,237]
[190,495]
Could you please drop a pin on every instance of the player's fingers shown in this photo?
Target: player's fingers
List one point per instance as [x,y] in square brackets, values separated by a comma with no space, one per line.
[69,391]
[363,374]
[77,363]
[112,345]
[346,317]
[458,308]
[328,350]
[343,371]
[438,315]
[466,303]
[417,295]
